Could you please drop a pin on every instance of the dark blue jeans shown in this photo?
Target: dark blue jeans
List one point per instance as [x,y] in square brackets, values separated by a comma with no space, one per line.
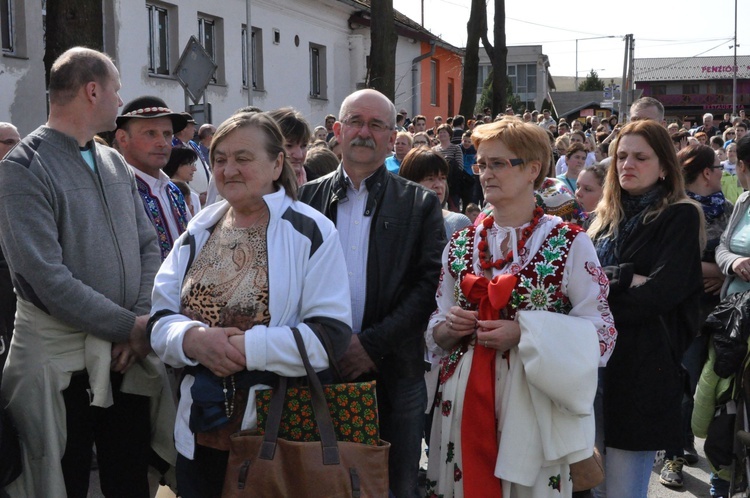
[401,405]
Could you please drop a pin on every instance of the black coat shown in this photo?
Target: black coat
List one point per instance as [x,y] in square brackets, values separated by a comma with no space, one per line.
[407,237]
[655,324]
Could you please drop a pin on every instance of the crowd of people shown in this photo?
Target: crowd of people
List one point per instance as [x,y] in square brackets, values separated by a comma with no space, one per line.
[522,289]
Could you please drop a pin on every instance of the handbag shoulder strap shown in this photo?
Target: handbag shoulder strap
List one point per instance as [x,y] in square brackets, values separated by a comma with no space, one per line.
[325,339]
[320,409]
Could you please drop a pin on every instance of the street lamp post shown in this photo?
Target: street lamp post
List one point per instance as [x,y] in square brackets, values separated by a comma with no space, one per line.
[734,65]
[592,38]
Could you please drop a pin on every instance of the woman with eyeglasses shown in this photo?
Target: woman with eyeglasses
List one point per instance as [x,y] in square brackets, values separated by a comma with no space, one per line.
[421,139]
[522,307]
[702,172]
[647,234]
[728,136]
[429,169]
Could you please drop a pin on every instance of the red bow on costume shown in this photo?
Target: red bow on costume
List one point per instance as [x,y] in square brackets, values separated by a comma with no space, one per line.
[479,427]
[492,296]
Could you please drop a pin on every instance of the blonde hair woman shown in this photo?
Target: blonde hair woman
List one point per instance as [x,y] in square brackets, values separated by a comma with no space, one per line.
[517,261]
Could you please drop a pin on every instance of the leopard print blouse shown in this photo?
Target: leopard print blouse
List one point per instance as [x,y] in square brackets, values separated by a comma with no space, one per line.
[227,285]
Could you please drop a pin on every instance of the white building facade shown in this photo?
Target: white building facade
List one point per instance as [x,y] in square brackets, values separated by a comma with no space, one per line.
[305,54]
[528,72]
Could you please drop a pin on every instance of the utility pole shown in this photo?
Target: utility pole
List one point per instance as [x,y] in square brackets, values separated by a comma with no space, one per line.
[626,94]
[631,80]
[734,66]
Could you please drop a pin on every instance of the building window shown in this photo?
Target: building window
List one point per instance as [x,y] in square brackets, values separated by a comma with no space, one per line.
[207,38]
[658,90]
[317,71]
[243,36]
[6,17]
[433,82]
[256,50]
[691,88]
[523,79]
[484,73]
[724,87]
[158,40]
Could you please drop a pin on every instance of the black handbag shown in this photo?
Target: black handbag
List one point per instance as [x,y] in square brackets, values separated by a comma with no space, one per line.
[10,450]
[719,445]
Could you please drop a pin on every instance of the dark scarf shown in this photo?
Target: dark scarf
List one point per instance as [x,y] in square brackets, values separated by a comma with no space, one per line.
[635,207]
[713,205]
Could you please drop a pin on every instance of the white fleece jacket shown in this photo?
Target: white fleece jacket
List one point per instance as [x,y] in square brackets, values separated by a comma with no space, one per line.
[304,255]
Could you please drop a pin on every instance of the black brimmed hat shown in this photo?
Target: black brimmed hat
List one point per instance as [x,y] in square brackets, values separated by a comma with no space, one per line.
[151,107]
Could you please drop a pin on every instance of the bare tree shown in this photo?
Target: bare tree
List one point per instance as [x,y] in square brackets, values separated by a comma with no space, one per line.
[499,60]
[383,40]
[72,23]
[477,22]
[498,55]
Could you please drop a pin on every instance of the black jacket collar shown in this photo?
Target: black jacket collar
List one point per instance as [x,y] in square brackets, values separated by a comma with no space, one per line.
[375,184]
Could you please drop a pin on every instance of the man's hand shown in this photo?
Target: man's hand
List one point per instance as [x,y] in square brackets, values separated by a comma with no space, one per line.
[211,348]
[137,347]
[712,285]
[123,357]
[356,361]
[138,341]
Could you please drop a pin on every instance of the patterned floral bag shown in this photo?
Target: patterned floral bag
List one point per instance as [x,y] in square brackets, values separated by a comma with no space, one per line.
[269,465]
[353,408]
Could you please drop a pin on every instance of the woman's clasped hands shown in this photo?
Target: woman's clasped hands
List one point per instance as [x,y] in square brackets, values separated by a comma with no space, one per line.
[496,334]
[220,349]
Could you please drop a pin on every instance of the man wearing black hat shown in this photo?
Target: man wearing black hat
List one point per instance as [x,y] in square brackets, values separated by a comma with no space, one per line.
[144,137]
[82,257]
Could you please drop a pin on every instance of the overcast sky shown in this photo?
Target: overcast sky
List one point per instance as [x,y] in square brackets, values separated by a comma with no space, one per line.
[684,28]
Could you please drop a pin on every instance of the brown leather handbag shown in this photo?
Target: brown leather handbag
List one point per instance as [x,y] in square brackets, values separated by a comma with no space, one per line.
[588,473]
[269,466]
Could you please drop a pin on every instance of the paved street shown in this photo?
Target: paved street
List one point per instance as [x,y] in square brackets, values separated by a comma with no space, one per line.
[696,482]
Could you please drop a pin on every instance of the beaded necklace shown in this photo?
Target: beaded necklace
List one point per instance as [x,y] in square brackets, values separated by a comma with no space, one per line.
[229,398]
[485,258]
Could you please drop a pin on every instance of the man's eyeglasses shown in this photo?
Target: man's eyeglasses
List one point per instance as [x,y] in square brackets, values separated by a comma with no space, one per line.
[375,126]
[496,164]
[9,141]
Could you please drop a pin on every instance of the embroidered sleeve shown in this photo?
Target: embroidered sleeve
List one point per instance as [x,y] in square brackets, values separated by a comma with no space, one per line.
[457,257]
[586,285]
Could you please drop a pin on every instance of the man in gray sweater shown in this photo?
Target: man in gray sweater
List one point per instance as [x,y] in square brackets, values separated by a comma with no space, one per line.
[82,256]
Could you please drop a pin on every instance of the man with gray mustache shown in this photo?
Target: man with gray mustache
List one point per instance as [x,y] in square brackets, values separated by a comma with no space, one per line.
[393,237]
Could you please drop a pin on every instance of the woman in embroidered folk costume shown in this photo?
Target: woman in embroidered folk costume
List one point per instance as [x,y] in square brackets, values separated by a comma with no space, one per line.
[522,324]
[247,270]
[647,234]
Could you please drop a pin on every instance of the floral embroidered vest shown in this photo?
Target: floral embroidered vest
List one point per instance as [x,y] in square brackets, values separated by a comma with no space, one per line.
[539,282]
[155,212]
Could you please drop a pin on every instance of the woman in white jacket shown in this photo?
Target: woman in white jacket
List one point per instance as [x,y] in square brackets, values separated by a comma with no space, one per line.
[247,270]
